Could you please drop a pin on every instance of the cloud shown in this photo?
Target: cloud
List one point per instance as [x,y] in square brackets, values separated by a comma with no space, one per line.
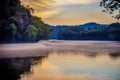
[47,8]
[74,2]
[41,4]
[47,13]
[68,12]
[42,8]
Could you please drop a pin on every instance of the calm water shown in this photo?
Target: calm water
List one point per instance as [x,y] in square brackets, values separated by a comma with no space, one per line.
[62,66]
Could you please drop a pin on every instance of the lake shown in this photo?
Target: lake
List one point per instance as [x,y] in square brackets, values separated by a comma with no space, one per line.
[62,65]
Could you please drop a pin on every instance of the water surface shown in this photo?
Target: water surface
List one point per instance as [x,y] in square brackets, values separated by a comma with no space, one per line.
[62,66]
[75,66]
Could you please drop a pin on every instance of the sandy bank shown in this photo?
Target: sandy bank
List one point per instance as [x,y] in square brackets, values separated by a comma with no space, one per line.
[43,47]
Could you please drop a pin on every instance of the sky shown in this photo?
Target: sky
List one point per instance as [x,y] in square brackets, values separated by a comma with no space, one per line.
[69,12]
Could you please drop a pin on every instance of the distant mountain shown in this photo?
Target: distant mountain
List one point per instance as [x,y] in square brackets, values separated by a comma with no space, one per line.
[85,27]
[92,25]
[55,31]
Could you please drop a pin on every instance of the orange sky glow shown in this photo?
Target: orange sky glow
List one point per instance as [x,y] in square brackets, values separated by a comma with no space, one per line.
[69,12]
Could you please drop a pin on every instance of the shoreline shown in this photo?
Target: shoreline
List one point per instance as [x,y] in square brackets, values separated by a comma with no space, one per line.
[42,48]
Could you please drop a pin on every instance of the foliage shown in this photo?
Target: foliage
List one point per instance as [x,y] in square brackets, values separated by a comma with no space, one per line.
[31,33]
[114,31]
[111,7]
[12,29]
[43,31]
[18,25]
[93,34]
[111,32]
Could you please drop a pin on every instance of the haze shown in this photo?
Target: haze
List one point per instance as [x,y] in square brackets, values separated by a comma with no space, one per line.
[69,12]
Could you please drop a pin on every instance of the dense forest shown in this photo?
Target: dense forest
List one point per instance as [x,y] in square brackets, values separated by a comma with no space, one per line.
[18,25]
[89,31]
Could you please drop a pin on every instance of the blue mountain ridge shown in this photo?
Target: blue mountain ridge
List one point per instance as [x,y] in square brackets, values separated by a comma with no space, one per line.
[86,26]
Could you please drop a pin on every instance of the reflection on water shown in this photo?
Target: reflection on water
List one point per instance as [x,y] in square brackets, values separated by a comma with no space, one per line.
[114,55]
[63,66]
[11,69]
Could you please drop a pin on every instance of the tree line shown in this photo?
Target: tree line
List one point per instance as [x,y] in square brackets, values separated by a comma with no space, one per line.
[18,25]
[112,32]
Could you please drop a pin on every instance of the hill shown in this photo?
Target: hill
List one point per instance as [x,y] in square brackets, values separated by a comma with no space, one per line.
[57,32]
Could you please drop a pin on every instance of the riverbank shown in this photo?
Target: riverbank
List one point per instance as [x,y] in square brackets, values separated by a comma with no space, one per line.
[42,48]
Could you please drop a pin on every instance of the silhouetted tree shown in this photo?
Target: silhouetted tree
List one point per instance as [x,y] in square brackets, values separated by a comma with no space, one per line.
[18,25]
[111,7]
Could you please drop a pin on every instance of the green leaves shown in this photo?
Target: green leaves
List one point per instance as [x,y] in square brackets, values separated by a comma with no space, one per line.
[13,28]
[18,25]
[37,30]
[11,32]
[32,32]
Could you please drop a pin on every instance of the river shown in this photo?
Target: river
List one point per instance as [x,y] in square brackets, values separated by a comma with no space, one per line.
[92,64]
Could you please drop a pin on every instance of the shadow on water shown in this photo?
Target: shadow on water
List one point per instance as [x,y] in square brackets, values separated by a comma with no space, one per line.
[91,54]
[12,68]
[114,55]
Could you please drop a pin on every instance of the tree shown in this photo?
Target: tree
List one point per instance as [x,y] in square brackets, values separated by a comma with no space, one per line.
[8,8]
[18,25]
[114,31]
[31,33]
[12,30]
[111,7]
